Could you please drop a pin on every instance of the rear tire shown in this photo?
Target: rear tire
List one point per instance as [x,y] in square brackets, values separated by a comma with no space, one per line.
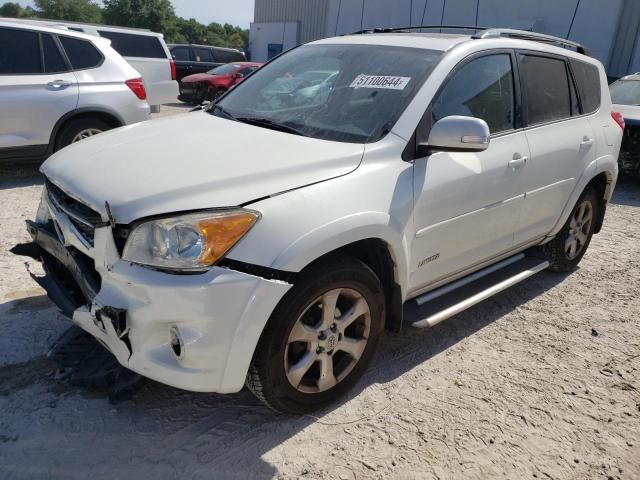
[301,363]
[568,247]
[79,129]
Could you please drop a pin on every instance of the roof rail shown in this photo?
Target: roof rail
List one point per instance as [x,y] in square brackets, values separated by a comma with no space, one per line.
[419,27]
[533,36]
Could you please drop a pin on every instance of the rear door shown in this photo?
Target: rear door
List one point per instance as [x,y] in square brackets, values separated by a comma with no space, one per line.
[148,54]
[182,56]
[561,141]
[37,87]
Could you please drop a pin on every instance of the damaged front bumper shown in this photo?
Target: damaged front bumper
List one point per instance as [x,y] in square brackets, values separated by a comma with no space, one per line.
[195,332]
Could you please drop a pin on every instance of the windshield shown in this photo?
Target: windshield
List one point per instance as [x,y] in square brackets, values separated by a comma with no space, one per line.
[224,69]
[625,92]
[345,93]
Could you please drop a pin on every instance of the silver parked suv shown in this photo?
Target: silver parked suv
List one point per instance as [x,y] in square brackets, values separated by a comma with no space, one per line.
[58,87]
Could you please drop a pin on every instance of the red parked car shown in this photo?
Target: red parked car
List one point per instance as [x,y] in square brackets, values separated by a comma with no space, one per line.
[201,87]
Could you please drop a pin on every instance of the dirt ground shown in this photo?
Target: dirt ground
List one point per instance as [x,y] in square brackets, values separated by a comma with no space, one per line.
[541,381]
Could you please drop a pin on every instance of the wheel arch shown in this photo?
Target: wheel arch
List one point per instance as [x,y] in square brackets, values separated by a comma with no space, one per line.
[103,114]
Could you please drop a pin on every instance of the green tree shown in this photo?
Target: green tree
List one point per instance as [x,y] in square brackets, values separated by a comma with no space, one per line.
[156,15]
[73,10]
[11,9]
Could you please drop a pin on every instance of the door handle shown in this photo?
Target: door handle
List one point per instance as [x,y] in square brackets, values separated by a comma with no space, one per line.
[586,141]
[518,161]
[59,84]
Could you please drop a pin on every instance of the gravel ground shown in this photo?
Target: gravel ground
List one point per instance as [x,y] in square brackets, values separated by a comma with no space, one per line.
[541,381]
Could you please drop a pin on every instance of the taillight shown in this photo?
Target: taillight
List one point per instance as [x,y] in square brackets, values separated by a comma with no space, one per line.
[137,87]
[172,62]
[619,119]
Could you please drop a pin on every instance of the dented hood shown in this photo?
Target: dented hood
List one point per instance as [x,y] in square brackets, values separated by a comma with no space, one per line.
[192,161]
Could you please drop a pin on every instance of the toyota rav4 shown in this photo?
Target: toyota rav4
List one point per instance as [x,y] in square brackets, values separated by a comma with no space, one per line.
[422,173]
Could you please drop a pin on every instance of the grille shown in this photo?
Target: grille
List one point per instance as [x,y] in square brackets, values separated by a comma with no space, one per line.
[82,217]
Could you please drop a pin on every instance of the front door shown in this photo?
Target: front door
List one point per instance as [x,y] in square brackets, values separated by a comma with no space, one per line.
[466,204]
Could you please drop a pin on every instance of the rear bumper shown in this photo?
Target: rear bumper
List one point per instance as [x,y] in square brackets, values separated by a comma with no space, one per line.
[131,310]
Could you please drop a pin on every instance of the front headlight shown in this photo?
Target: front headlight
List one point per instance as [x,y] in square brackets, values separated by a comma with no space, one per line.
[188,242]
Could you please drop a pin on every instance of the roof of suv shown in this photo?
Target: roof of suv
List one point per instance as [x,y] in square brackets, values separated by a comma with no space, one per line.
[498,38]
[171,45]
[41,27]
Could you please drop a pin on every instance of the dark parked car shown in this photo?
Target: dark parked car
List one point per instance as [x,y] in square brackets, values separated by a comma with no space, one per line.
[192,59]
[625,94]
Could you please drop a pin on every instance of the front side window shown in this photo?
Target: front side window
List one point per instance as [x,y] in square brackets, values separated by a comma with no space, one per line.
[19,52]
[82,54]
[346,93]
[481,88]
[546,88]
[625,92]
[588,81]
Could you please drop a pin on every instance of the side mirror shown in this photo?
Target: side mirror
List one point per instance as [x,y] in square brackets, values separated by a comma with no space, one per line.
[458,134]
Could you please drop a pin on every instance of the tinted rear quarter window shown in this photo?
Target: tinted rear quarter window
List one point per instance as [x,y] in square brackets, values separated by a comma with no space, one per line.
[132,45]
[82,54]
[53,61]
[19,52]
[588,81]
[546,88]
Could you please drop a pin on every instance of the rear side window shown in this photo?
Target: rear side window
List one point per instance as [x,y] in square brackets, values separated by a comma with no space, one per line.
[546,88]
[588,82]
[131,45]
[53,62]
[482,88]
[19,52]
[181,53]
[203,54]
[82,54]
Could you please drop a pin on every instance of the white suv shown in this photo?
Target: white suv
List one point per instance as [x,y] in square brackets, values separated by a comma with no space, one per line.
[58,87]
[429,173]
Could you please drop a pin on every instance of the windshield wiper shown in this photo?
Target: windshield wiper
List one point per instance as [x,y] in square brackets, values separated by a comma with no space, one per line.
[267,123]
[224,111]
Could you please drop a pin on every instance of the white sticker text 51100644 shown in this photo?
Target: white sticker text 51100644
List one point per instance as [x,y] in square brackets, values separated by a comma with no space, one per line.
[380,81]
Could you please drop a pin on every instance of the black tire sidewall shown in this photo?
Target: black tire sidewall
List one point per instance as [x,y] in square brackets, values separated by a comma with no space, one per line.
[269,359]
[69,131]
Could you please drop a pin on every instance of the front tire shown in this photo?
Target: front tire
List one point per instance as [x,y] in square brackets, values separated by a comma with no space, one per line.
[320,338]
[569,246]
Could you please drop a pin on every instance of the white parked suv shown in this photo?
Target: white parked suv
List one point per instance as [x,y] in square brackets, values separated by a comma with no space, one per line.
[433,172]
[58,87]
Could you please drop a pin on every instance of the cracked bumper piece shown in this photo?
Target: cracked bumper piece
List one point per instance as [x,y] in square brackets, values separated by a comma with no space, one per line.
[140,315]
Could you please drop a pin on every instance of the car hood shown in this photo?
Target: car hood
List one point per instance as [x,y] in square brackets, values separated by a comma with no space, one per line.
[192,161]
[629,112]
[198,77]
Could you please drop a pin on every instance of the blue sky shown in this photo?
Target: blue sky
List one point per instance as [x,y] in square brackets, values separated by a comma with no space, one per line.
[236,12]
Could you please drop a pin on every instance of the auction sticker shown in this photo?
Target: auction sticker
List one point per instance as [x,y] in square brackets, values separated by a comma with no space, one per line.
[380,81]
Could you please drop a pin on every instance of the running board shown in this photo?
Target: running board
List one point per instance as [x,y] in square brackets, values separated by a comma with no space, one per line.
[447,301]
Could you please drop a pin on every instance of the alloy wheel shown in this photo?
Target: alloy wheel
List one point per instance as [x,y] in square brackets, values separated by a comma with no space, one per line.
[86,133]
[327,340]
[579,229]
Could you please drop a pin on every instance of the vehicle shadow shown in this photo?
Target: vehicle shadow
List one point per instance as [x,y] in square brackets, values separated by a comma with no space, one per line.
[17,176]
[627,191]
[163,432]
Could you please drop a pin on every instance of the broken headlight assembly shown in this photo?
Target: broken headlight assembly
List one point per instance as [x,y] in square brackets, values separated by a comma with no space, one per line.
[191,242]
